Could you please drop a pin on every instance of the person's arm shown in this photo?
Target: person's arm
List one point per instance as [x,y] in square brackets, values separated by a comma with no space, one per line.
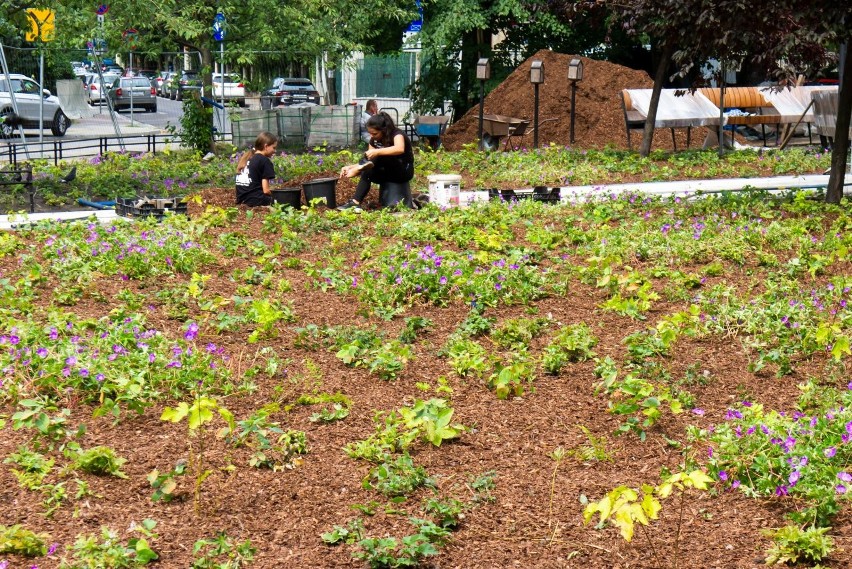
[268,174]
[395,150]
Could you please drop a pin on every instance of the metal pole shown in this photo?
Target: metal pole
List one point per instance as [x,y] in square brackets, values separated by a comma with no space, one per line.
[573,105]
[131,87]
[222,65]
[481,109]
[41,95]
[535,133]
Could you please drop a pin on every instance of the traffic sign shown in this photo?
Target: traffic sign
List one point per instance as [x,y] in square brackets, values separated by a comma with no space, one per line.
[102,9]
[42,22]
[130,36]
[219,27]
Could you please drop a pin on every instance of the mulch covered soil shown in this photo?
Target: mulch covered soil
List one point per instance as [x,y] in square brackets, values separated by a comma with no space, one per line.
[598,121]
[531,518]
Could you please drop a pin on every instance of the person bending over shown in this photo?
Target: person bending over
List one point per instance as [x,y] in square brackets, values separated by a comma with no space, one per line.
[388,162]
[255,170]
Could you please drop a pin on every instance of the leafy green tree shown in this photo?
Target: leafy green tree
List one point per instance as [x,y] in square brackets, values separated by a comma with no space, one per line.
[456,33]
[801,33]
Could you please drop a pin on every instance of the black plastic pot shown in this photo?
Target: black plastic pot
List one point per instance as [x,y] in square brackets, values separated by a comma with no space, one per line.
[321,188]
[288,196]
[392,194]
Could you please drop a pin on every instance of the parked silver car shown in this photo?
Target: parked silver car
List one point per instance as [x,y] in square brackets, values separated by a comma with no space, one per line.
[136,90]
[28,95]
[96,91]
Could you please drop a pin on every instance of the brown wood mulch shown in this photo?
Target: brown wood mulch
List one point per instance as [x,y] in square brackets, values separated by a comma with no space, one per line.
[535,518]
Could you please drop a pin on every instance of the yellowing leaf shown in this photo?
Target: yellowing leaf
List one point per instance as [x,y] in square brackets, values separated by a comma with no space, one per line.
[625,524]
[840,347]
[699,479]
[605,507]
[650,505]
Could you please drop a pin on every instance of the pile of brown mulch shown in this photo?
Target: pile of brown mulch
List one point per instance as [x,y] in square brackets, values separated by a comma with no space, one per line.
[599,120]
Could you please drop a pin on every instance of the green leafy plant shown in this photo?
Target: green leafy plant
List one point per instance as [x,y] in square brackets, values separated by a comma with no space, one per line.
[164,484]
[414,325]
[18,540]
[197,415]
[350,534]
[449,512]
[483,485]
[100,461]
[222,552]
[572,343]
[792,544]
[196,123]
[518,331]
[111,551]
[389,552]
[397,477]
[467,357]
[432,419]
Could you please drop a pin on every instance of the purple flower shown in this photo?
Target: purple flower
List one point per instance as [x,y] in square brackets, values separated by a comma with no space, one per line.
[698,411]
[41,352]
[794,477]
[840,489]
[844,476]
[52,549]
[735,484]
[830,452]
[782,490]
[191,332]
[100,377]
[723,475]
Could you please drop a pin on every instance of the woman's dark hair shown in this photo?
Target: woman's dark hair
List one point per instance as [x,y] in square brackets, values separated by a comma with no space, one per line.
[382,122]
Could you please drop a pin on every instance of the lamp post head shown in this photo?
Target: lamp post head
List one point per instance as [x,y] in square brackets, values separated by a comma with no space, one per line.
[537,72]
[575,70]
[483,69]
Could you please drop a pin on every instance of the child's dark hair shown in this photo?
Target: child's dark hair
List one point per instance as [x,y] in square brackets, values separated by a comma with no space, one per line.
[382,122]
[262,141]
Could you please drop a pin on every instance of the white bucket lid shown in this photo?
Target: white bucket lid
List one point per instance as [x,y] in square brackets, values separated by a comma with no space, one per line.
[444,178]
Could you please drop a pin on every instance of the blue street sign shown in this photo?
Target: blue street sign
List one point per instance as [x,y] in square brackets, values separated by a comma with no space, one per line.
[416,25]
[219,27]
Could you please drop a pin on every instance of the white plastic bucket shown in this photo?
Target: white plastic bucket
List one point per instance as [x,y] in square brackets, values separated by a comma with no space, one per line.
[444,189]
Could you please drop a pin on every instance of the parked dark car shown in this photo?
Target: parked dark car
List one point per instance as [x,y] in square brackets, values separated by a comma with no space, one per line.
[292,91]
[143,93]
[185,81]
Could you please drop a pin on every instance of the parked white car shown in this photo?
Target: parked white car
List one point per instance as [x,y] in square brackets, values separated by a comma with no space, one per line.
[28,95]
[96,91]
[234,89]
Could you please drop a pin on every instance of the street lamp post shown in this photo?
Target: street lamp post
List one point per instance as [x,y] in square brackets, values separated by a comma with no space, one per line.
[536,78]
[483,72]
[575,73]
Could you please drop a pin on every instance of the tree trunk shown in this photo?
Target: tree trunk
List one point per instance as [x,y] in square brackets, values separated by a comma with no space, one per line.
[659,77]
[840,149]
[207,85]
